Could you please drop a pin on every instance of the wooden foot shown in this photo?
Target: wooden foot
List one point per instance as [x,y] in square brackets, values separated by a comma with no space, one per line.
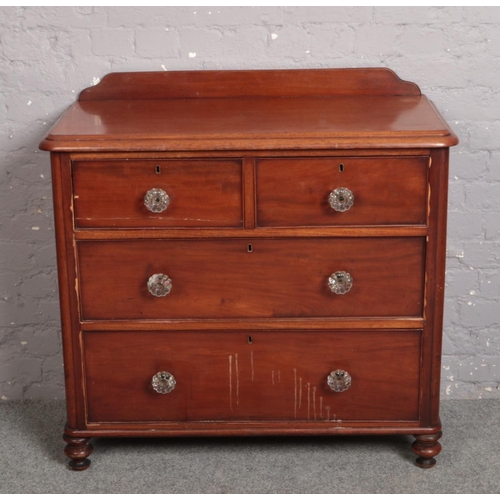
[426,447]
[78,449]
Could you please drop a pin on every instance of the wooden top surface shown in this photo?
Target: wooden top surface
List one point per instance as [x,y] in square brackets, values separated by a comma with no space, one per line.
[250,110]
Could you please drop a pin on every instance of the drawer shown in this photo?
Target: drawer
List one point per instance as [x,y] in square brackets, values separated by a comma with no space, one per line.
[279,376]
[385,190]
[196,193]
[279,278]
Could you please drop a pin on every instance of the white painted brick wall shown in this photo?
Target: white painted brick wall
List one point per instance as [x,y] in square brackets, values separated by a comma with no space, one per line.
[48,55]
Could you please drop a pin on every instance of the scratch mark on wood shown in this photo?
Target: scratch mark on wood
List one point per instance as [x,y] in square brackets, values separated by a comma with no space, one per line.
[272,376]
[308,401]
[328,413]
[251,363]
[314,402]
[237,380]
[231,383]
[300,392]
[279,375]
[295,391]
[321,407]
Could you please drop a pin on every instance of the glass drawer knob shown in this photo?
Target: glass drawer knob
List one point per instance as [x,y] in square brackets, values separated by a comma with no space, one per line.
[341,199]
[159,285]
[340,282]
[156,200]
[339,381]
[163,382]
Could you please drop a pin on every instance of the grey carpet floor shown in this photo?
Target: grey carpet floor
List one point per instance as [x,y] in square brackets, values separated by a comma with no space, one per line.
[32,459]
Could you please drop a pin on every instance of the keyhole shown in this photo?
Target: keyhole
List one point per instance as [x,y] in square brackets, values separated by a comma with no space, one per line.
[158,169]
[250,248]
[341,167]
[250,340]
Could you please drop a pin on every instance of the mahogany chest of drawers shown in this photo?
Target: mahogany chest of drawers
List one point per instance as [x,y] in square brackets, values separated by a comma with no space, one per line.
[251,253]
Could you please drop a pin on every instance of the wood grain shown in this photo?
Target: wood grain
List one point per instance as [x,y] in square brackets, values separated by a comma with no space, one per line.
[363,122]
[279,376]
[294,192]
[249,83]
[283,278]
[249,158]
[203,193]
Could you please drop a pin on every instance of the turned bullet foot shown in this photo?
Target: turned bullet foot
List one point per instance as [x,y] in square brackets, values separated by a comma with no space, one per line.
[426,447]
[78,449]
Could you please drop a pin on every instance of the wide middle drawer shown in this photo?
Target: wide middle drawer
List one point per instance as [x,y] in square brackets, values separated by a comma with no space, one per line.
[261,278]
[157,193]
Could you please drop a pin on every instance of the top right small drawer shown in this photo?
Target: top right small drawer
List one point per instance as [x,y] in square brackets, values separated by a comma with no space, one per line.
[337,191]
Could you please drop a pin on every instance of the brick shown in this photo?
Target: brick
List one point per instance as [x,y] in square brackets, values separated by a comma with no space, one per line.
[16,256]
[204,44]
[489,340]
[45,255]
[21,45]
[13,390]
[468,165]
[39,286]
[483,71]
[489,285]
[118,43]
[445,71]
[460,282]
[46,344]
[45,391]
[480,369]
[456,195]
[478,103]
[494,166]
[463,40]
[27,370]
[481,254]
[465,225]
[322,15]
[244,40]
[417,15]
[377,39]
[422,41]
[138,17]
[157,43]
[482,194]
[89,71]
[330,41]
[485,135]
[492,40]
[286,41]
[492,224]
[482,15]
[11,16]
[170,17]
[65,18]
[479,313]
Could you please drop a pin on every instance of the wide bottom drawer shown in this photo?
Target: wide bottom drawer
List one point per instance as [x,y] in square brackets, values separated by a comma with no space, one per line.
[251,376]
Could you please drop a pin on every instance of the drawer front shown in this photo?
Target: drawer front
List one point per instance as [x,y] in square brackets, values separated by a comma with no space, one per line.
[385,190]
[201,193]
[279,376]
[279,278]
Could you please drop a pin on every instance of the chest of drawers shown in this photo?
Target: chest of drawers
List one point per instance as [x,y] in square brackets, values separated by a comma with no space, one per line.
[251,253]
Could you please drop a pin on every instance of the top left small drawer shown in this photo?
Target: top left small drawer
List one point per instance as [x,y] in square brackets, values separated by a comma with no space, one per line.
[157,193]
